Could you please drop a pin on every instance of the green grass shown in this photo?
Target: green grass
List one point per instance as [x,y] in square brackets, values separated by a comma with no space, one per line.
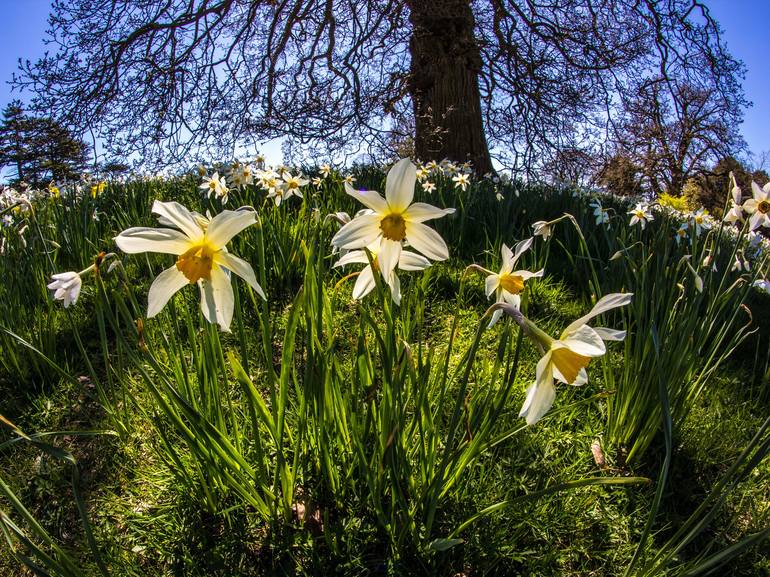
[361,409]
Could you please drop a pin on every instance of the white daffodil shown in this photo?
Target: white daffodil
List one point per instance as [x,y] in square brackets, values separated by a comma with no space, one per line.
[640,214]
[201,258]
[449,167]
[735,213]
[759,206]
[365,283]
[428,186]
[508,284]
[461,181]
[600,214]
[542,228]
[292,184]
[216,186]
[566,358]
[699,219]
[317,181]
[241,174]
[349,179]
[66,287]
[680,233]
[325,170]
[393,220]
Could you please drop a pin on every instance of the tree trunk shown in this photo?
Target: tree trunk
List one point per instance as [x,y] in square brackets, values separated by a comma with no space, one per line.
[444,84]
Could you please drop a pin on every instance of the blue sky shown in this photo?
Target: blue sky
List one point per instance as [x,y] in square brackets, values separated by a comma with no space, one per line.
[744,23]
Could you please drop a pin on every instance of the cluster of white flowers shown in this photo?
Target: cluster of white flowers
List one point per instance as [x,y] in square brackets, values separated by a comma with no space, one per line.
[280,182]
[427,174]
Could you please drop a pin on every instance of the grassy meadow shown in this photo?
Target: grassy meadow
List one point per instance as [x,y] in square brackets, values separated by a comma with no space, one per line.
[327,434]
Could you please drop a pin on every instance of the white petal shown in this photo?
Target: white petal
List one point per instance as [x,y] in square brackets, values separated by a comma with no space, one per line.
[399,185]
[364,283]
[143,239]
[395,288]
[217,299]
[369,198]
[540,394]
[165,285]
[420,212]
[610,334]
[526,275]
[491,283]
[227,224]
[411,261]
[759,193]
[521,247]
[359,232]
[353,257]
[240,267]
[72,295]
[495,317]
[511,299]
[604,304]
[508,261]
[388,256]
[182,218]
[757,219]
[583,341]
[426,240]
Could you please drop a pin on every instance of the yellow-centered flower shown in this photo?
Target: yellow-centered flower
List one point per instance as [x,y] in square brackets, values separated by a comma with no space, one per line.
[393,220]
[567,357]
[202,259]
[508,283]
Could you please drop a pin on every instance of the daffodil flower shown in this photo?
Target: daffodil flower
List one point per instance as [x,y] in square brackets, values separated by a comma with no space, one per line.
[393,220]
[700,221]
[292,184]
[201,258]
[215,186]
[461,181]
[567,357]
[600,214]
[542,228]
[680,233]
[758,206]
[640,214]
[735,213]
[365,283]
[66,287]
[508,284]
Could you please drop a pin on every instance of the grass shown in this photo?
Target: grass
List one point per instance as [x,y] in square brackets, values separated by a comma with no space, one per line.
[345,412]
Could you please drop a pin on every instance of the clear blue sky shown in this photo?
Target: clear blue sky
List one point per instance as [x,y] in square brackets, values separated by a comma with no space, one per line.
[744,22]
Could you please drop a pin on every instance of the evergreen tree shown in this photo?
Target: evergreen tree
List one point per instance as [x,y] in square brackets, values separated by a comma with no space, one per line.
[39,149]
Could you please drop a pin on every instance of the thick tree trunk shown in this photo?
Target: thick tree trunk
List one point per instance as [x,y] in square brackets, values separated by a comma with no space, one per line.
[444,83]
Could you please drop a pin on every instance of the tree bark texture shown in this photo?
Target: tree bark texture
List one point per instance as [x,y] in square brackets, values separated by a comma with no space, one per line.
[444,84]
